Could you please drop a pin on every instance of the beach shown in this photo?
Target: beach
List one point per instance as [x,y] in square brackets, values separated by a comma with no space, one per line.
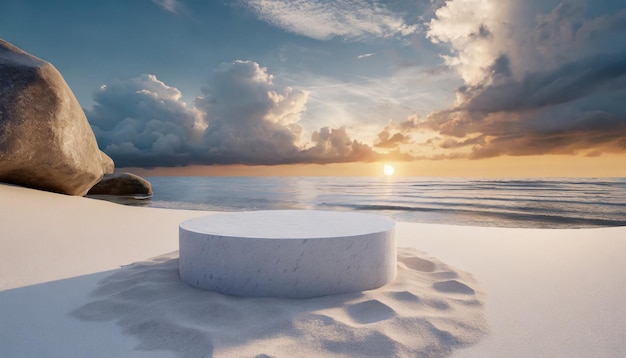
[82,277]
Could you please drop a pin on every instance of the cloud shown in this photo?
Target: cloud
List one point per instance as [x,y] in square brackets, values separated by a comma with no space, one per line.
[173,6]
[249,120]
[335,146]
[361,104]
[564,95]
[394,135]
[322,20]
[241,118]
[478,31]
[568,83]
[145,119]
[365,55]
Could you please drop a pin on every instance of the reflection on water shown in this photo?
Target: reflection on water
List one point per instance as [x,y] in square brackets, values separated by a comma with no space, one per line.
[130,200]
[541,203]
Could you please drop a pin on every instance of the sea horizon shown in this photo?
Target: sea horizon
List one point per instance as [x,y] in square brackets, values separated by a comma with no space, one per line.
[555,203]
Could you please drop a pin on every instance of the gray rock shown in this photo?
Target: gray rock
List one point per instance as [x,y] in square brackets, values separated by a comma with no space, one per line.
[122,184]
[45,139]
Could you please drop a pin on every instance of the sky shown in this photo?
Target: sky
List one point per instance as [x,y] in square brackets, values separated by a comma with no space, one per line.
[457,87]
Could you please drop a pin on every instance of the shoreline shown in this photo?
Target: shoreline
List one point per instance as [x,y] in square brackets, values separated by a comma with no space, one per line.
[555,292]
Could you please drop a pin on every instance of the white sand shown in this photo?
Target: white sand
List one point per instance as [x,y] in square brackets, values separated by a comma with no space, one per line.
[63,292]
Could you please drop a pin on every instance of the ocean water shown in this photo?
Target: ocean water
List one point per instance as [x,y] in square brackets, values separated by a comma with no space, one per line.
[528,203]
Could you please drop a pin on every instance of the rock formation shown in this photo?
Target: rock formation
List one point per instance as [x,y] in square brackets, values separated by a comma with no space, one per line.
[122,184]
[45,139]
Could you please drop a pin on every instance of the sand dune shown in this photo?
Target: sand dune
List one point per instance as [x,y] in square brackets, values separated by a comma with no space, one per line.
[75,281]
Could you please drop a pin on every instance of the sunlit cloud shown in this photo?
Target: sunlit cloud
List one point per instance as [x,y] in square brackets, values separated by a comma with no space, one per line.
[365,105]
[322,20]
[242,117]
[173,6]
[365,55]
[334,81]
[478,31]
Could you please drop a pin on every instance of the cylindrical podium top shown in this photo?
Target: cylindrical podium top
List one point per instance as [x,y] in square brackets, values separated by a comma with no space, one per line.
[289,224]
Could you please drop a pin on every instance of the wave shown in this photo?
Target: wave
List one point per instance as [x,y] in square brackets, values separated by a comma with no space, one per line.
[577,202]
[556,219]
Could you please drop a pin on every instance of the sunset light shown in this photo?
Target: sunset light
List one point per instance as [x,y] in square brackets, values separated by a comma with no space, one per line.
[415,178]
[388,170]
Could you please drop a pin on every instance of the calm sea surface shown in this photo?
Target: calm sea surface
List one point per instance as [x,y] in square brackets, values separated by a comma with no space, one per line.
[536,203]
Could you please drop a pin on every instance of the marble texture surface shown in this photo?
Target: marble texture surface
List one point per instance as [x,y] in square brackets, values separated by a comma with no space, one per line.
[288,253]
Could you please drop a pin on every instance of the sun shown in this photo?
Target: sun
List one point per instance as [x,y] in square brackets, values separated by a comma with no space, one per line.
[388,170]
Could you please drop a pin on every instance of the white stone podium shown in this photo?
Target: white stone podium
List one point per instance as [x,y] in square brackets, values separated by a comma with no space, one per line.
[288,253]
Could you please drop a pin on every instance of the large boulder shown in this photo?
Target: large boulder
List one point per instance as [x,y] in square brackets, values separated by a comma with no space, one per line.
[45,139]
[122,184]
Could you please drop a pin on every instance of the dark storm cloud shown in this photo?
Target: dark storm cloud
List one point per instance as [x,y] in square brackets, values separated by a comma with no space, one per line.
[580,105]
[570,82]
[501,68]
[483,33]
[571,99]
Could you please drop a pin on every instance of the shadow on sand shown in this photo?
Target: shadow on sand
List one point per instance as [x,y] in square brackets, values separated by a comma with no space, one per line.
[429,310]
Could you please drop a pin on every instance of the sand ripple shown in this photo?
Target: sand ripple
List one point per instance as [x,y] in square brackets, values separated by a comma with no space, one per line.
[429,310]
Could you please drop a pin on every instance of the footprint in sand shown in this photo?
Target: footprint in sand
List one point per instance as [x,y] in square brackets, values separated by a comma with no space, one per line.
[428,311]
[444,275]
[453,286]
[419,264]
[370,311]
[404,296]
[438,304]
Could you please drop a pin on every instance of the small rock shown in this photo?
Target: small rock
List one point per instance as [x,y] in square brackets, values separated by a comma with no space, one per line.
[122,184]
